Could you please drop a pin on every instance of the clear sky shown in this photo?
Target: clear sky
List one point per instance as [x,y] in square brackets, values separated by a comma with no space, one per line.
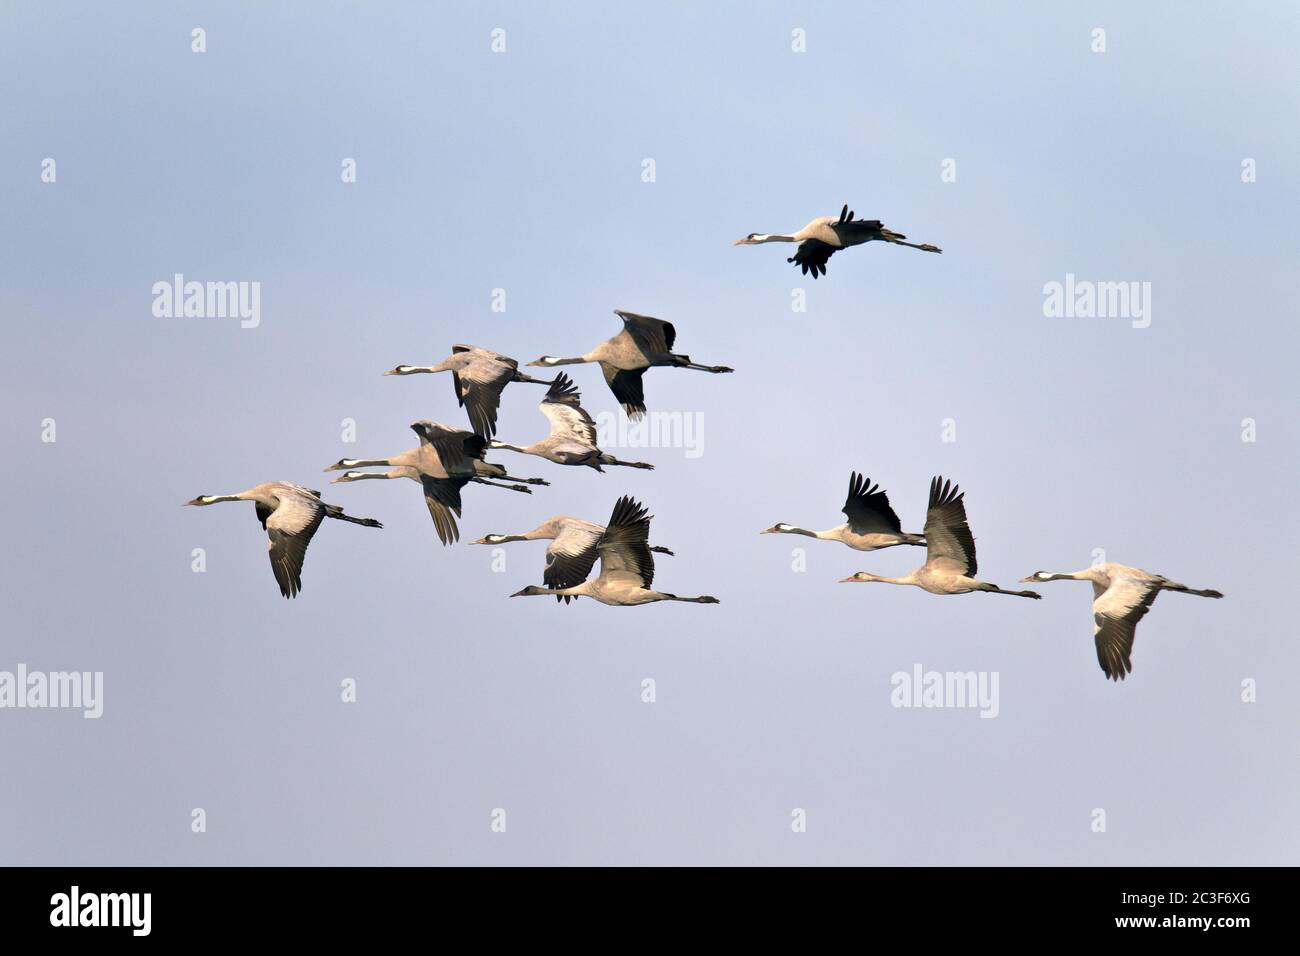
[523,171]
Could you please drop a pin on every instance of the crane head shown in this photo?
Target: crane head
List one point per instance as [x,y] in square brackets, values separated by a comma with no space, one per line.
[859,578]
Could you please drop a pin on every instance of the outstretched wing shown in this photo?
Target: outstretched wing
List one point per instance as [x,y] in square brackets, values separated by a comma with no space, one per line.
[452,445]
[569,420]
[811,256]
[627,388]
[486,353]
[442,495]
[289,529]
[652,336]
[1115,614]
[850,231]
[569,558]
[867,508]
[624,548]
[949,544]
[478,389]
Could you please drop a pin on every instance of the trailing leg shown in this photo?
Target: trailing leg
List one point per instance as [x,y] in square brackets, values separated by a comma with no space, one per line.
[483,481]
[611,460]
[994,589]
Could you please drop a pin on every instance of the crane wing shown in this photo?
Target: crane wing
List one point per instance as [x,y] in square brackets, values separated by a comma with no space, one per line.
[569,420]
[851,232]
[653,336]
[452,445]
[812,256]
[949,544]
[442,495]
[570,557]
[485,353]
[627,388]
[867,508]
[478,390]
[624,548]
[289,529]
[1115,613]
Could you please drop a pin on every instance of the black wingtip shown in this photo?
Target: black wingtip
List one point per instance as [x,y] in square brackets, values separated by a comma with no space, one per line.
[628,511]
[562,390]
[944,491]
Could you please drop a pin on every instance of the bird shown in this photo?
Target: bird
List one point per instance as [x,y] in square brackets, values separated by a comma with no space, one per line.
[872,523]
[1121,596]
[644,342]
[571,553]
[290,515]
[478,376]
[572,440]
[950,566]
[826,235]
[627,568]
[446,460]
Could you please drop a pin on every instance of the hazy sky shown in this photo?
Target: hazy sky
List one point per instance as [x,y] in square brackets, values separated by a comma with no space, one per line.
[523,171]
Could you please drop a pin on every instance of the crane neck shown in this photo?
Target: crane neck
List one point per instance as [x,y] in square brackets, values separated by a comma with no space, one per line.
[909,578]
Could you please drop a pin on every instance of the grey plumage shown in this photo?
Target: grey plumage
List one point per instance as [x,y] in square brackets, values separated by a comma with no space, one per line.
[478,377]
[572,437]
[872,523]
[950,565]
[645,342]
[571,554]
[826,235]
[1121,597]
[446,460]
[290,514]
[627,567]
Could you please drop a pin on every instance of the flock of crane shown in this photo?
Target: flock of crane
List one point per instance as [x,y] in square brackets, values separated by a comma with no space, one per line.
[448,458]
[1121,595]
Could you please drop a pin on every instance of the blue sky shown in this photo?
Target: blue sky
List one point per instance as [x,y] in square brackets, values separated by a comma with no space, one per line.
[522,171]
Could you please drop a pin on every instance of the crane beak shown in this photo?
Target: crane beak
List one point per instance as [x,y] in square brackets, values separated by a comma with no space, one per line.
[771,530]
[195,501]
[1028,580]
[483,541]
[523,593]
